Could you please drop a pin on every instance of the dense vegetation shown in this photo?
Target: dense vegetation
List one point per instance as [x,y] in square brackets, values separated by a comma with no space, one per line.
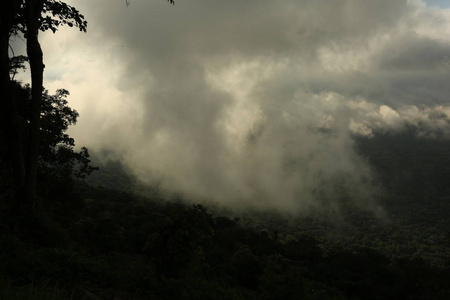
[86,240]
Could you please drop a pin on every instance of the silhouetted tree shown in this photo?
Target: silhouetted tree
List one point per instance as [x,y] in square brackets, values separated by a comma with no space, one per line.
[56,148]
[28,17]
[10,120]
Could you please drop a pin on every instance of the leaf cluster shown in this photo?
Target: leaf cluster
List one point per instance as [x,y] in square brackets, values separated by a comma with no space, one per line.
[17,63]
[54,14]
[57,13]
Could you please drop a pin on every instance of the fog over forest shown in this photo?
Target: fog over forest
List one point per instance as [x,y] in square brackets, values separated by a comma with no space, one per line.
[253,102]
[240,149]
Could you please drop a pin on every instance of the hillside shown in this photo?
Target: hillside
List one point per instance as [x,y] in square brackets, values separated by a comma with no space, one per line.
[102,242]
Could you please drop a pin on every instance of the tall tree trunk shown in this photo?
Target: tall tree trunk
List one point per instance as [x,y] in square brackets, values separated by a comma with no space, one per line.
[11,121]
[35,56]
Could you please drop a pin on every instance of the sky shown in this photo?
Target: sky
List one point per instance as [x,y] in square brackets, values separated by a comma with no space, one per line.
[438,3]
[253,102]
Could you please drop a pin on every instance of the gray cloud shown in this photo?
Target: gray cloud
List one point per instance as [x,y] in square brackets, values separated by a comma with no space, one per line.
[254,102]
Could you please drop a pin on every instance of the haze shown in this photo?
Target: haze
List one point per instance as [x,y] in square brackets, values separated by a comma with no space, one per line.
[253,102]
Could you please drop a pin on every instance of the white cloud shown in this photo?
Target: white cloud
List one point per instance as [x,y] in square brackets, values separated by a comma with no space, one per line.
[253,101]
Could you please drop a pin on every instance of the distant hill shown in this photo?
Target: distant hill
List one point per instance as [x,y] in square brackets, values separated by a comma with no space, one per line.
[409,165]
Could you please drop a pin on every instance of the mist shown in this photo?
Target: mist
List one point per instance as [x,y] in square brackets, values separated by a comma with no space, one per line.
[253,103]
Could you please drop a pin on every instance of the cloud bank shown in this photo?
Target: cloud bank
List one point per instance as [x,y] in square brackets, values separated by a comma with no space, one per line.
[253,102]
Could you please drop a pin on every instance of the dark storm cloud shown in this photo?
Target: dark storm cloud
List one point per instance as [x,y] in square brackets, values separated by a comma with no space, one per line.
[254,102]
[415,54]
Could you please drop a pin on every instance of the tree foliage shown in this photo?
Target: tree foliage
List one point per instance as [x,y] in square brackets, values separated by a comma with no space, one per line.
[57,13]
[28,17]
[53,14]
[57,156]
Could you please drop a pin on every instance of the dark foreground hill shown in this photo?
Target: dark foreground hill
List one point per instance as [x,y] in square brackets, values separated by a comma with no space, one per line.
[119,245]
